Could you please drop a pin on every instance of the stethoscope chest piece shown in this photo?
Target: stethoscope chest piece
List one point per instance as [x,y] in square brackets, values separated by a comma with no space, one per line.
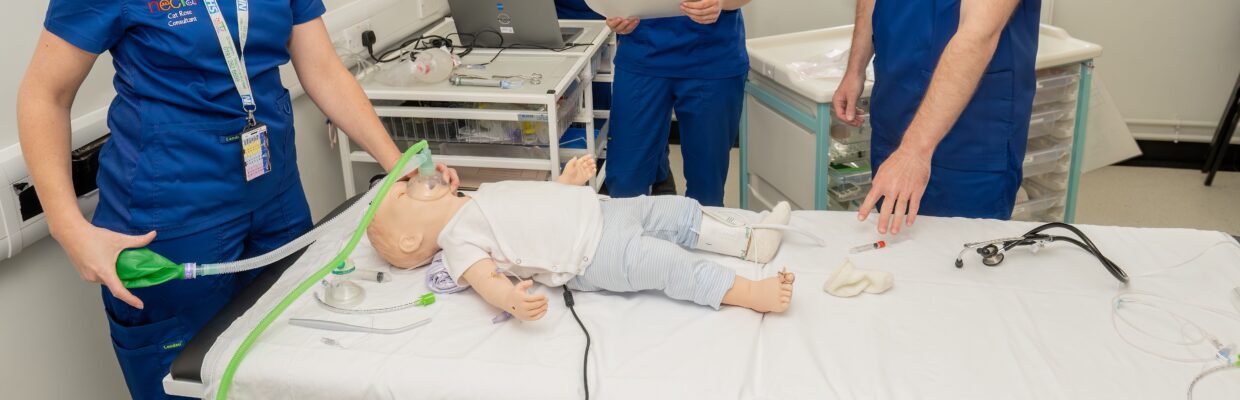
[991,256]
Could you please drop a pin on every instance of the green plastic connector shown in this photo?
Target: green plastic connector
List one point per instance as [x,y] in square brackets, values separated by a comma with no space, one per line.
[425,300]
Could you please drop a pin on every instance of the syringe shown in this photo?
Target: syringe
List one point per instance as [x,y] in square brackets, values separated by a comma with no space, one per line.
[867,247]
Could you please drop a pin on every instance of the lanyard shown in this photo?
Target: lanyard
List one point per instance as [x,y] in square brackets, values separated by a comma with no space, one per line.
[235,59]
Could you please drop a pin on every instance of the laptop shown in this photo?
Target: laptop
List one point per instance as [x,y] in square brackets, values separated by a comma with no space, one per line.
[530,23]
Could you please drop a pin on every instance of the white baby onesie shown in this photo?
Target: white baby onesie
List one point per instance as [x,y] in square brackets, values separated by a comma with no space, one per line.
[546,231]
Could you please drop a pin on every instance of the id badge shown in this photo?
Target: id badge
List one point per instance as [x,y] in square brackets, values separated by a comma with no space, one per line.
[255,151]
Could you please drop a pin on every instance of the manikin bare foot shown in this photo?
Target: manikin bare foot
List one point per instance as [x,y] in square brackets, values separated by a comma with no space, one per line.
[578,171]
[768,295]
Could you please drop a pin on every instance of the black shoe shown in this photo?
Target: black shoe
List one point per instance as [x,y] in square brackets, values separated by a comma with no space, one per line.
[664,188]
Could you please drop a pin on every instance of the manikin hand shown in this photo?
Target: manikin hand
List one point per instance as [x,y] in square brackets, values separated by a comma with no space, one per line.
[93,251]
[846,96]
[525,306]
[900,181]
[702,11]
[622,26]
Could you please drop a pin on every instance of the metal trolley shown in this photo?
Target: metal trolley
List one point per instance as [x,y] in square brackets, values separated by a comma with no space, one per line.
[518,128]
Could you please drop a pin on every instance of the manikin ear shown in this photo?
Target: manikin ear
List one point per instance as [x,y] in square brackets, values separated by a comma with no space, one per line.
[410,243]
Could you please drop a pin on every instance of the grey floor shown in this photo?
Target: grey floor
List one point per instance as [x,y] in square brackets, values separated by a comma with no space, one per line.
[1124,196]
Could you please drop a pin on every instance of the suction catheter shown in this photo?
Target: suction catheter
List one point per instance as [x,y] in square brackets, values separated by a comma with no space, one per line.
[138,268]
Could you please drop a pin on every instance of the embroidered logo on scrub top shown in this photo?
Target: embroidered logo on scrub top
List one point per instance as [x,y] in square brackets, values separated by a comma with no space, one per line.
[179,12]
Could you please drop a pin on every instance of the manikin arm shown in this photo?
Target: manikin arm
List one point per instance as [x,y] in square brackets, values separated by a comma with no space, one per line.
[498,291]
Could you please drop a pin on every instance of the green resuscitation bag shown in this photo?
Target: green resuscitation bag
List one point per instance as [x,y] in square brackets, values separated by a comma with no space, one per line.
[139,268]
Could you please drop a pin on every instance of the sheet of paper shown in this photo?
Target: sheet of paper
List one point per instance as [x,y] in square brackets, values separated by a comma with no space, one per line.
[646,9]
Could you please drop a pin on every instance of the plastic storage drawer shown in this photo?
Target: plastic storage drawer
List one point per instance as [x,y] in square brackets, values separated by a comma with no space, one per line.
[843,133]
[1043,155]
[849,152]
[834,205]
[848,192]
[530,129]
[1037,204]
[1050,113]
[1056,84]
[1055,181]
[1055,129]
[856,173]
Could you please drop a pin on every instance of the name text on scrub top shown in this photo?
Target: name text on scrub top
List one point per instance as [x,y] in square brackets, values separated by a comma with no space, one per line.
[177,17]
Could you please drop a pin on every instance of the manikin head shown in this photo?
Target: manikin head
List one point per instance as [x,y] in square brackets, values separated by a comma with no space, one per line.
[405,230]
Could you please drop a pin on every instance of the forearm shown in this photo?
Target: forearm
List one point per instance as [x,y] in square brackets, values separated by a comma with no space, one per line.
[44,133]
[733,4]
[336,92]
[491,285]
[956,77]
[862,49]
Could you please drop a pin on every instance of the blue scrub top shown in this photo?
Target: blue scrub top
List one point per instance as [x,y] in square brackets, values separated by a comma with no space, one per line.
[991,133]
[575,9]
[173,162]
[677,47]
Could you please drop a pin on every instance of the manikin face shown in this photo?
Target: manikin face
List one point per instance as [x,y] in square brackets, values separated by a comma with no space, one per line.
[406,226]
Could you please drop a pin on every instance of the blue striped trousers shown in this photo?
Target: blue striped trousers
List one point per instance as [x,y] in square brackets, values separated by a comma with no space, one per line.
[645,246]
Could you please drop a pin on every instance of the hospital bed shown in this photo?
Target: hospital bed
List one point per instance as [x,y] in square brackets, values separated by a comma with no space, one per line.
[1039,326]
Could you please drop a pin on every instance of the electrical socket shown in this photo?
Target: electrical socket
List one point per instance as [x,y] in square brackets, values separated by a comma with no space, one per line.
[350,40]
[426,8]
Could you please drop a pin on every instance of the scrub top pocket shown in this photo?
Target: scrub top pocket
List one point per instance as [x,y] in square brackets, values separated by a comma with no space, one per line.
[186,163]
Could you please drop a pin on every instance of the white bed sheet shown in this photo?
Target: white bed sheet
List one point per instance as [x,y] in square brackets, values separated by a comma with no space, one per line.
[1038,326]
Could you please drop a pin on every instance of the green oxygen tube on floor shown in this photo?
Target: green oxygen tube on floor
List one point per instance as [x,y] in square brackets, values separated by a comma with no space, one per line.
[139,268]
[424,165]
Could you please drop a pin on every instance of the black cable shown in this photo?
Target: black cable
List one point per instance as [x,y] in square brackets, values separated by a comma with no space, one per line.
[528,46]
[585,363]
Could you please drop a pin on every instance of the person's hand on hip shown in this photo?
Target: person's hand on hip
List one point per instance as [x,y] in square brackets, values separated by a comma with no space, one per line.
[622,26]
[847,94]
[900,182]
[93,251]
[702,11]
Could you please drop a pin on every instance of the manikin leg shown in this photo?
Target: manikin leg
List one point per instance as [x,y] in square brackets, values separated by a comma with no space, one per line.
[645,246]
[724,233]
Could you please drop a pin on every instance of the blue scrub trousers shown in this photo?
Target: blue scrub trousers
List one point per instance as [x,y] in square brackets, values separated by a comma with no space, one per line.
[708,111]
[147,340]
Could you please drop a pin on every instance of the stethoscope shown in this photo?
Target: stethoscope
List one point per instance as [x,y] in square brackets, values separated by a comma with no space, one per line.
[992,251]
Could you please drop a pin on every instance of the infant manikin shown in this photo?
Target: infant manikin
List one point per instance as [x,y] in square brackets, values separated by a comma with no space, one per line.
[561,234]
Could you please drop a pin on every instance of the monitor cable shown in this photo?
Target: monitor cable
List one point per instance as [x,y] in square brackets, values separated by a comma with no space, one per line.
[585,363]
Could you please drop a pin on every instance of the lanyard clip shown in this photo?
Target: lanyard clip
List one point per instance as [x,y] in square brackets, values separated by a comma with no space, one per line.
[249,119]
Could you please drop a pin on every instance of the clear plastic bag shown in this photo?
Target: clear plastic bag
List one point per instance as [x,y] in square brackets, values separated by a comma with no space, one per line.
[831,64]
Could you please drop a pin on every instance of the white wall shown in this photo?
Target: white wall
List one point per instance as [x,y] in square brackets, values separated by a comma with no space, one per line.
[21,27]
[773,17]
[1163,61]
[53,338]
